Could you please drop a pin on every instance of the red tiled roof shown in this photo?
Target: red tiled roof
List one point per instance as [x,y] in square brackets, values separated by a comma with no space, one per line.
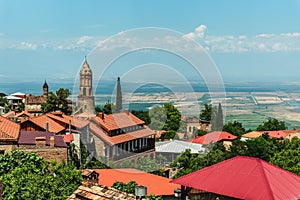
[41,122]
[245,178]
[118,121]
[9,131]
[79,123]
[157,185]
[9,114]
[117,139]
[24,113]
[213,137]
[28,137]
[68,138]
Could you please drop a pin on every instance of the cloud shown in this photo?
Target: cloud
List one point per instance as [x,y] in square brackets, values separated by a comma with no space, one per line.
[25,46]
[83,39]
[265,35]
[199,32]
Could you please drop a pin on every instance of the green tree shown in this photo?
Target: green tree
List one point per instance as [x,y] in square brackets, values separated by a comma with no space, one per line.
[272,125]
[3,101]
[108,108]
[235,128]
[206,112]
[173,118]
[289,157]
[57,102]
[158,118]
[119,97]
[143,115]
[28,176]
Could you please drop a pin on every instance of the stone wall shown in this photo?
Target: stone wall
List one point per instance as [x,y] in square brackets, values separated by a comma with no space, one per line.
[48,153]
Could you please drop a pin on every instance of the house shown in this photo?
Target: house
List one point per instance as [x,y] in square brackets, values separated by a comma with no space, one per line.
[121,136]
[215,136]
[205,125]
[192,124]
[242,177]
[157,185]
[33,104]
[42,123]
[45,144]
[14,102]
[9,134]
[95,191]
[273,134]
[291,133]
[23,116]
[90,175]
[171,149]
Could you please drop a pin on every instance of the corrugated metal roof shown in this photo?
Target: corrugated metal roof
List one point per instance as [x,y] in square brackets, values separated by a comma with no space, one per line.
[178,146]
[28,137]
[245,178]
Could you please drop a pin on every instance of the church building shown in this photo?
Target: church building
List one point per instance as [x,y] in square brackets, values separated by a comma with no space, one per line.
[86,98]
[33,104]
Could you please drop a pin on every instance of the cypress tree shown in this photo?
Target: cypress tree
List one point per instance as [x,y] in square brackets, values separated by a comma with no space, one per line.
[119,97]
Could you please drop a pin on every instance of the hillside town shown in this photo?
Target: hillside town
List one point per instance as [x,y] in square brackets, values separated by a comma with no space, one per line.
[118,154]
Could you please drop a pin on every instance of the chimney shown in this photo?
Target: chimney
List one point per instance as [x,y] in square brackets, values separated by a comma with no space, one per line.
[126,111]
[52,142]
[101,115]
[40,141]
[47,127]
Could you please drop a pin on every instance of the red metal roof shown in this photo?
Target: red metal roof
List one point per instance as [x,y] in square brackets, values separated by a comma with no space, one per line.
[157,185]
[213,137]
[276,134]
[245,178]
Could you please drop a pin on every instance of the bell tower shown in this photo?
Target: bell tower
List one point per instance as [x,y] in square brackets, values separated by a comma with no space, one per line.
[45,89]
[86,99]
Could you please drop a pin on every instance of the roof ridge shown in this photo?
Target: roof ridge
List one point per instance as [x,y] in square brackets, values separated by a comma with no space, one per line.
[265,177]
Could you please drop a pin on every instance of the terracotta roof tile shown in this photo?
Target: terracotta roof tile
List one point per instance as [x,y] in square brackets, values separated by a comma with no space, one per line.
[24,113]
[9,114]
[79,123]
[155,184]
[9,131]
[117,139]
[118,121]
[99,192]
[252,134]
[68,138]
[41,122]
[213,137]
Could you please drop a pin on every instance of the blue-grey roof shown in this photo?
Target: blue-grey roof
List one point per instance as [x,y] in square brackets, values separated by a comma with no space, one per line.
[178,146]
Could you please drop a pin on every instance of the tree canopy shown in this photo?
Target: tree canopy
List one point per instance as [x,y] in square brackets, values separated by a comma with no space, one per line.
[235,128]
[57,102]
[272,125]
[28,176]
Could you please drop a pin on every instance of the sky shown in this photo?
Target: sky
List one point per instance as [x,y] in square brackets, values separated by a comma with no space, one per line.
[247,40]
